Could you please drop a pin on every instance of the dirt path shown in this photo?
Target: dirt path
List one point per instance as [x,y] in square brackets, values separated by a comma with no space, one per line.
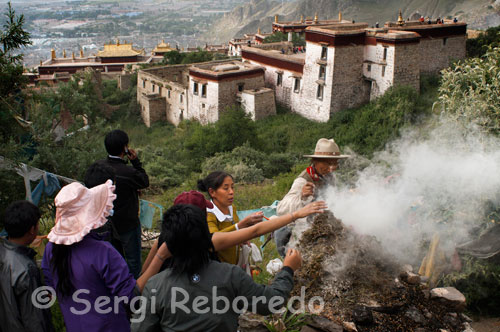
[487,325]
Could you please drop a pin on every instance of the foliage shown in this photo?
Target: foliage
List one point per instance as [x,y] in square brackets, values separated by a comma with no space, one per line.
[279,36]
[289,322]
[257,164]
[469,91]
[175,57]
[479,281]
[477,47]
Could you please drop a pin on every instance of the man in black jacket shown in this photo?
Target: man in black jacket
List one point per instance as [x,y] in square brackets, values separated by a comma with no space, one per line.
[129,179]
[22,306]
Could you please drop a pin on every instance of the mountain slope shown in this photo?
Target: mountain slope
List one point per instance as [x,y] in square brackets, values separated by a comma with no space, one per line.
[260,13]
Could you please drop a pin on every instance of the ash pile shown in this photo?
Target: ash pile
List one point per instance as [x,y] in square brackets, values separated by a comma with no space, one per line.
[364,288]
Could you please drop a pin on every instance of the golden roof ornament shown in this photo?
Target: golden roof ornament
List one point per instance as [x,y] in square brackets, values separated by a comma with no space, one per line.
[301,18]
[340,16]
[73,55]
[258,31]
[316,18]
[40,62]
[117,42]
[81,53]
[275,18]
[401,21]
[52,54]
[64,53]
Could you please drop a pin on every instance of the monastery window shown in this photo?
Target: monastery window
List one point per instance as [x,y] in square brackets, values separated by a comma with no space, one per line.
[204,90]
[180,97]
[143,83]
[296,85]
[385,53]
[202,105]
[369,67]
[195,88]
[168,93]
[153,87]
[319,92]
[444,41]
[324,52]
[279,79]
[241,86]
[383,71]
[322,72]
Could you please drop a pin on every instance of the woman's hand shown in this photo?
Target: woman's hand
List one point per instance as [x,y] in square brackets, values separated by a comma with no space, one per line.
[250,220]
[314,207]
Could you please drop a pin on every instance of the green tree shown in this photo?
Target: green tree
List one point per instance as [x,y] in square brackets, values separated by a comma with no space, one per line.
[12,38]
[477,47]
[173,57]
[469,91]
[279,36]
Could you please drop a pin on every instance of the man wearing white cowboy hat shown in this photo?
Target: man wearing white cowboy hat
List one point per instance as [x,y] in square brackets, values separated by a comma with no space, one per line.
[304,189]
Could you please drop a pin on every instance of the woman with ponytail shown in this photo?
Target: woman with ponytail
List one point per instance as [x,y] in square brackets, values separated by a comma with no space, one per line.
[223,217]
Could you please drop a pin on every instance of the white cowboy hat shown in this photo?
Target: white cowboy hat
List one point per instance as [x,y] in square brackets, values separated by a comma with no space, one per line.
[327,149]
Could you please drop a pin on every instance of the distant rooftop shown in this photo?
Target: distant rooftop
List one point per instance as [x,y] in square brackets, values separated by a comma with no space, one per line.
[119,50]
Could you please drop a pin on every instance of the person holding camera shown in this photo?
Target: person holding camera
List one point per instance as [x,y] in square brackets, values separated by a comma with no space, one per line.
[129,180]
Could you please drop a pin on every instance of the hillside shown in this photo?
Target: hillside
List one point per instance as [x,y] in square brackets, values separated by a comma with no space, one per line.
[479,14]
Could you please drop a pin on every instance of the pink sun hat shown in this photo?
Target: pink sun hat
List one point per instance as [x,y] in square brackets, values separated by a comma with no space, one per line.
[79,210]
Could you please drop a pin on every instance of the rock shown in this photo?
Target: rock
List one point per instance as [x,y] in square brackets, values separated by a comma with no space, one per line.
[410,277]
[324,324]
[362,315]
[452,319]
[407,268]
[426,293]
[309,329]
[467,328]
[449,296]
[415,315]
[251,323]
[349,327]
[427,314]
[466,318]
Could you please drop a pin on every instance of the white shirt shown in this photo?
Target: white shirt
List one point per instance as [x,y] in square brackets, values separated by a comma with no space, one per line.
[221,217]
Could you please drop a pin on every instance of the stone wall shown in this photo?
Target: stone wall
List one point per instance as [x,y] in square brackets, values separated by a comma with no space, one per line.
[203,108]
[349,88]
[124,81]
[436,54]
[306,103]
[407,66]
[259,103]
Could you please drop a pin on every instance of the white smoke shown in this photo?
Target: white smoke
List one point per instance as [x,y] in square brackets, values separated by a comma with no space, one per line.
[433,181]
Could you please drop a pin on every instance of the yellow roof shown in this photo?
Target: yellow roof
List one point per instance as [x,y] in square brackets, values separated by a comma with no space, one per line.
[119,50]
[163,47]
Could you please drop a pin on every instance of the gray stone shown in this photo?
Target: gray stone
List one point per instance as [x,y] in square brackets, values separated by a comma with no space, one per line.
[324,324]
[349,327]
[410,277]
[449,296]
[407,268]
[467,328]
[466,318]
[452,319]
[308,329]
[415,315]
[251,323]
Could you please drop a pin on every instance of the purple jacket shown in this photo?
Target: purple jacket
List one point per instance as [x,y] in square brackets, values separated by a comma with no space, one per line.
[97,269]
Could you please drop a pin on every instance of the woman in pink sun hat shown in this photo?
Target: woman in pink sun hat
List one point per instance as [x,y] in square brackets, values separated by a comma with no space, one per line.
[88,274]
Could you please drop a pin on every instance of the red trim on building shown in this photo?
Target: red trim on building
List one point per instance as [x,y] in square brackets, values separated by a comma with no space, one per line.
[228,76]
[271,61]
[119,59]
[335,40]
[436,31]
[49,70]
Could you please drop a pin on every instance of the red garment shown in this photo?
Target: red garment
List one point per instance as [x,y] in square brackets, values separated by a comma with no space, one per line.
[312,173]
